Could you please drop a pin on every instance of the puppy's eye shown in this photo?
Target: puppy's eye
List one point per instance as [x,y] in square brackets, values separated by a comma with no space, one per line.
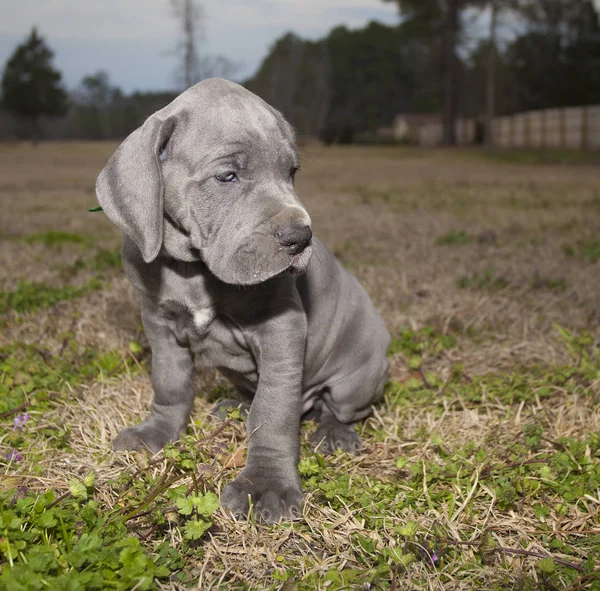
[293,172]
[227,177]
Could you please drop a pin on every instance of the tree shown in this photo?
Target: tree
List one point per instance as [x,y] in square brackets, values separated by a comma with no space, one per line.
[96,89]
[31,87]
[556,61]
[352,82]
[491,75]
[444,18]
[551,61]
[99,107]
[294,78]
[495,8]
[190,15]
[195,67]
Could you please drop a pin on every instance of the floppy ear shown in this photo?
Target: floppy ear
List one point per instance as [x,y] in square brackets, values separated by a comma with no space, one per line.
[130,188]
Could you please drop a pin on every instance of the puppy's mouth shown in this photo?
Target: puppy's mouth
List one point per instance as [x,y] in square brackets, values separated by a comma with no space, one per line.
[299,262]
[247,267]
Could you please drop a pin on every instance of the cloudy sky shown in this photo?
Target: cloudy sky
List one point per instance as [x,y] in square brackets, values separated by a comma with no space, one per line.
[132,39]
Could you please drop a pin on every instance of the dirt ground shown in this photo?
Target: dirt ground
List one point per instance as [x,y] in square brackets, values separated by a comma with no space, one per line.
[493,254]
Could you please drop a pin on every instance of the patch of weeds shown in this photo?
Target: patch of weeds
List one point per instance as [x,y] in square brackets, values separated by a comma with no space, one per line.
[32,378]
[553,479]
[76,541]
[532,433]
[104,260]
[545,483]
[28,297]
[454,237]
[524,385]
[486,280]
[424,485]
[56,238]
[584,350]
[590,250]
[423,341]
[528,383]
[346,578]
[60,543]
[417,345]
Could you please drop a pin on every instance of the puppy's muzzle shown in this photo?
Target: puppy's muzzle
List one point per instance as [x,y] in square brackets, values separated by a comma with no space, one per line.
[294,239]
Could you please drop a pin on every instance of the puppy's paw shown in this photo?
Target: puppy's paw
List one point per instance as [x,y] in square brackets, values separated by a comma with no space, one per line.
[143,436]
[273,498]
[333,435]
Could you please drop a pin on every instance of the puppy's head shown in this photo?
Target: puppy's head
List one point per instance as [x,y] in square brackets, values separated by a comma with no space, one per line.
[211,177]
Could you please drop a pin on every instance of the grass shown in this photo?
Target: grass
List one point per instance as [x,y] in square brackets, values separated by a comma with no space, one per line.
[454,237]
[55,238]
[103,261]
[416,517]
[546,156]
[28,296]
[33,375]
[480,467]
[487,279]
[587,249]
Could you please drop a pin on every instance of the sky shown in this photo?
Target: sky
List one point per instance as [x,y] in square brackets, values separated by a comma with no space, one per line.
[133,40]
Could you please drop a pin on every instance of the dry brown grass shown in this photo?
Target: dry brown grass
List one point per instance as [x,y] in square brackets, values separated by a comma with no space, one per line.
[392,216]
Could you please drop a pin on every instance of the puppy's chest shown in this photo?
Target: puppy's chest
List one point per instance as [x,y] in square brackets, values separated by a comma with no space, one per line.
[215,339]
[185,301]
[188,302]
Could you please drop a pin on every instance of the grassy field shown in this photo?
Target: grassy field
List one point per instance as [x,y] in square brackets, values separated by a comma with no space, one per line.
[480,470]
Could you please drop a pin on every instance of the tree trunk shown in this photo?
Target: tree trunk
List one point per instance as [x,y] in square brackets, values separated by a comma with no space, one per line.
[190,49]
[450,34]
[491,78]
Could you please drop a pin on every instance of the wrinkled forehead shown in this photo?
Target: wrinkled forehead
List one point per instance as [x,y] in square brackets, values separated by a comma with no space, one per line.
[241,118]
[249,113]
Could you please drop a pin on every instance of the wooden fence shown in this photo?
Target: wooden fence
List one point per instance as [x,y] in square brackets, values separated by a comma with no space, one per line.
[568,128]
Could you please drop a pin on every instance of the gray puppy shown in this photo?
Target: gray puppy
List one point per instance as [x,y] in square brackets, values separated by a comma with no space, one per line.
[221,251]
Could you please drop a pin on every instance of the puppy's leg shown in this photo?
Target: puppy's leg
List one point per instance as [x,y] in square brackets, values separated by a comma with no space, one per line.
[347,402]
[172,381]
[332,434]
[270,476]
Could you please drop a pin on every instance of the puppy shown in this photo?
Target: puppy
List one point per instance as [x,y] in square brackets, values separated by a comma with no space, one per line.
[222,253]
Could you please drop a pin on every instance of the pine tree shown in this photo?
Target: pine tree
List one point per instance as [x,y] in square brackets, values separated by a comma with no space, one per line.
[31,87]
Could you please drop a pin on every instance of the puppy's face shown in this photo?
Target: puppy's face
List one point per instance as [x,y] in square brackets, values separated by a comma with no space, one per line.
[211,177]
[229,186]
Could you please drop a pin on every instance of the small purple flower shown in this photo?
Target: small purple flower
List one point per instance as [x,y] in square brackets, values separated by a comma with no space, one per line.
[13,455]
[20,421]
[434,558]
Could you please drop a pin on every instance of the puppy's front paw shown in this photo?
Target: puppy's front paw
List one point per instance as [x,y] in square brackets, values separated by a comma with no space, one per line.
[144,436]
[334,435]
[273,497]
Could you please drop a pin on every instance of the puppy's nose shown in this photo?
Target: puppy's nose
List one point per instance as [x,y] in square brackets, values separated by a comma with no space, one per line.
[294,238]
